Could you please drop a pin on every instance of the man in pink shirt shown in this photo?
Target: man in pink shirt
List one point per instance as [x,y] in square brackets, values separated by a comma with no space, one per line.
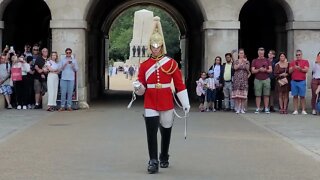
[298,70]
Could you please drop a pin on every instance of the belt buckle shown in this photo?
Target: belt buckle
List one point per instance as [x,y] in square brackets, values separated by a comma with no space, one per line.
[158,86]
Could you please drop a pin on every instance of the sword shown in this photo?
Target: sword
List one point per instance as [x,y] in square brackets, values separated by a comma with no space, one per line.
[185,125]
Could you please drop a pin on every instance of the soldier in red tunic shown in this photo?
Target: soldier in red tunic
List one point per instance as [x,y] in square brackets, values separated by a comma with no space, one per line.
[154,82]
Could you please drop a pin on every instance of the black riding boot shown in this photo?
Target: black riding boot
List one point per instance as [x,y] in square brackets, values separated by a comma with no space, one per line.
[152,125]
[165,142]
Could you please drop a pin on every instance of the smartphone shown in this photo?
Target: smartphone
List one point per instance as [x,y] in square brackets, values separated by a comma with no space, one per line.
[297,63]
[70,61]
[11,48]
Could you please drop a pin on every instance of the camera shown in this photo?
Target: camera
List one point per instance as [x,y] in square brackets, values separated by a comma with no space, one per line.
[11,49]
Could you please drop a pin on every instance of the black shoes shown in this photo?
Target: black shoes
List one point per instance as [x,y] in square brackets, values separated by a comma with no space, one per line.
[164,161]
[153,166]
[272,109]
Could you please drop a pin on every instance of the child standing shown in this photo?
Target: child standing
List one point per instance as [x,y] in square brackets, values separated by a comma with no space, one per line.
[201,90]
[211,91]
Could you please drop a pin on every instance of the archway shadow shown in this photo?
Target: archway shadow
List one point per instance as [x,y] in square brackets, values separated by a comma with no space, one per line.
[263,24]
[27,22]
[188,16]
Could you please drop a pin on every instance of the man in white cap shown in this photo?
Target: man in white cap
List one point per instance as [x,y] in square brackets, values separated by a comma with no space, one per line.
[154,82]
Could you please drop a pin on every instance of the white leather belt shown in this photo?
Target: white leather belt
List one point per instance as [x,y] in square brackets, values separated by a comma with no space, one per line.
[159,85]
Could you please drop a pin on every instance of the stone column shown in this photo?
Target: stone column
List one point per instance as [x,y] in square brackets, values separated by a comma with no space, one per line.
[183,47]
[304,35]
[72,34]
[220,37]
[2,100]
[107,61]
[1,31]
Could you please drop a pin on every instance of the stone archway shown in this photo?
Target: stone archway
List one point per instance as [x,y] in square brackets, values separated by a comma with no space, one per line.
[263,24]
[26,22]
[101,14]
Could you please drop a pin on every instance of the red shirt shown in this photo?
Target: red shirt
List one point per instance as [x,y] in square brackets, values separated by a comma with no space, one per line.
[297,74]
[258,63]
[160,99]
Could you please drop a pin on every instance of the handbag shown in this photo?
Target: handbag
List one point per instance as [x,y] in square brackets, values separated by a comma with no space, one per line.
[16,74]
[283,81]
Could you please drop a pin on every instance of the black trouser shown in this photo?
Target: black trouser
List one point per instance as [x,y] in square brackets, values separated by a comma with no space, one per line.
[219,98]
[29,90]
[165,142]
[152,125]
[19,88]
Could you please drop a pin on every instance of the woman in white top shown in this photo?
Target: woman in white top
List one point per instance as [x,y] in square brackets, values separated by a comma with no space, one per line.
[19,85]
[315,82]
[53,80]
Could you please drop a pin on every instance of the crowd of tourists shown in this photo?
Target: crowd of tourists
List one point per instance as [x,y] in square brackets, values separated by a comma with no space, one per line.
[274,78]
[25,77]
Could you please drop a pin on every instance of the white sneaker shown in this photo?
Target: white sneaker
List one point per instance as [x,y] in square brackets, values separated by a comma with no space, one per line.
[314,112]
[295,112]
[19,107]
[24,107]
[29,106]
[304,113]
[267,111]
[242,111]
[238,111]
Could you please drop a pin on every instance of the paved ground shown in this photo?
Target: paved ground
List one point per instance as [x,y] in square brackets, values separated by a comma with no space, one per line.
[108,142]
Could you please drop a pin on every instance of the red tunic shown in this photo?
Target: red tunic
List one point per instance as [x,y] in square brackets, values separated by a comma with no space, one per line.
[160,99]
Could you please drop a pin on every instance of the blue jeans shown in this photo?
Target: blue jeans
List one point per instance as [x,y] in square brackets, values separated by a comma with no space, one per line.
[66,87]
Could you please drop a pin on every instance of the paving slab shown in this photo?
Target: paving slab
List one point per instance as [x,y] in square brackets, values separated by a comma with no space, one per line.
[108,141]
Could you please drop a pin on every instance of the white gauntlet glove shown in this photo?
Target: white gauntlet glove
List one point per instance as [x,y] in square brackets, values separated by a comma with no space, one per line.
[184,99]
[139,88]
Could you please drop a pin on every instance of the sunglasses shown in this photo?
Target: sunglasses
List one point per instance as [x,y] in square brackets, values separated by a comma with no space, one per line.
[68,52]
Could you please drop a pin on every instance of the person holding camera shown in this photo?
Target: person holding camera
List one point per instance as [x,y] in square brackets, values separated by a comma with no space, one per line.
[261,68]
[19,83]
[69,67]
[298,70]
[53,81]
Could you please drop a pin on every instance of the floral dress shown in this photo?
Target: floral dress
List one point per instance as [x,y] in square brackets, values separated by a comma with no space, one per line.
[240,80]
